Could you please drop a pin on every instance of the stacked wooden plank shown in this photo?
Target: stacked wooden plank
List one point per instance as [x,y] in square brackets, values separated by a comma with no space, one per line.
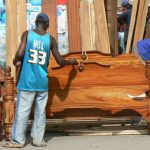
[87,25]
[74,25]
[137,26]
[111,15]
[92,25]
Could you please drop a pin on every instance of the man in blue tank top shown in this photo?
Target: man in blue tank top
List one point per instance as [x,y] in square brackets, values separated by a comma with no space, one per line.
[34,55]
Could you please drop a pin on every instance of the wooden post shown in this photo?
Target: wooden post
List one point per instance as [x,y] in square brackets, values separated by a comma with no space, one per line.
[9,103]
[102,26]
[132,26]
[21,19]
[74,25]
[111,15]
[138,23]
[87,28]
[50,8]
[145,11]
[11,32]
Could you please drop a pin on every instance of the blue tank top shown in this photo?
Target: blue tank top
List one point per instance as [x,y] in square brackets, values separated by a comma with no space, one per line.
[33,75]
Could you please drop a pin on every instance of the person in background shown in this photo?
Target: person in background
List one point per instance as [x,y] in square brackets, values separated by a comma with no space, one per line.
[125,18]
[34,55]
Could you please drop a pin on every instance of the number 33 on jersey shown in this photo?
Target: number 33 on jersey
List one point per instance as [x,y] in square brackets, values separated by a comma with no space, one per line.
[37,57]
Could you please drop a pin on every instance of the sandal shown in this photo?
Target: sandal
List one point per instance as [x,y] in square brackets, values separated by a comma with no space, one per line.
[12,145]
[42,145]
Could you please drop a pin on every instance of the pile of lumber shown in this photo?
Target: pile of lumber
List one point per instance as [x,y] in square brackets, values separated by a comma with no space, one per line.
[138,24]
[92,25]
[104,26]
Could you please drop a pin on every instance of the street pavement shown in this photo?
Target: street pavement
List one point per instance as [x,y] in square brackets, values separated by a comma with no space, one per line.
[60,141]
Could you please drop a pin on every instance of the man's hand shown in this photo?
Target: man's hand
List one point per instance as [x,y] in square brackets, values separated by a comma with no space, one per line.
[73,61]
[16,63]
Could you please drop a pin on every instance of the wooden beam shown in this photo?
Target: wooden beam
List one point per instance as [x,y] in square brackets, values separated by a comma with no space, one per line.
[138,23]
[50,8]
[132,26]
[140,27]
[92,25]
[74,25]
[111,14]
[144,16]
[102,30]
[11,32]
[85,22]
[21,19]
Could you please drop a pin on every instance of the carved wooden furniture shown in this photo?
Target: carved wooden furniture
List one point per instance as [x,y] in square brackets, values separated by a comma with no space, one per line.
[8,103]
[1,104]
[0,120]
[100,89]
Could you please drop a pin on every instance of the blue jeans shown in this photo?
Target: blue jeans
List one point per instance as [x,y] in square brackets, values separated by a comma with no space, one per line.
[24,103]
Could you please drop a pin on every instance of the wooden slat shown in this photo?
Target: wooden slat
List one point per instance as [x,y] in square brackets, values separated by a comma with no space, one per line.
[85,23]
[92,25]
[49,7]
[138,23]
[97,44]
[74,25]
[11,32]
[132,26]
[21,19]
[144,16]
[139,33]
[111,131]
[111,14]
[102,26]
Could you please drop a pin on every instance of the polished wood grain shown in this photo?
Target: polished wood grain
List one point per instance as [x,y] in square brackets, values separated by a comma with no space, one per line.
[98,90]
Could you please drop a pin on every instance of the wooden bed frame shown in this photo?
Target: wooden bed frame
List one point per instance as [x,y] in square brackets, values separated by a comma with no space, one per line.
[100,90]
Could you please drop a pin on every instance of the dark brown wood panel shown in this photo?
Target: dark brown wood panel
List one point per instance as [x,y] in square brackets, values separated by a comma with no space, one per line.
[111,15]
[49,7]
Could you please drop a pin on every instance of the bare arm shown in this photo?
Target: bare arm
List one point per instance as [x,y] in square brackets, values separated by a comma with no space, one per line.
[59,59]
[20,52]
